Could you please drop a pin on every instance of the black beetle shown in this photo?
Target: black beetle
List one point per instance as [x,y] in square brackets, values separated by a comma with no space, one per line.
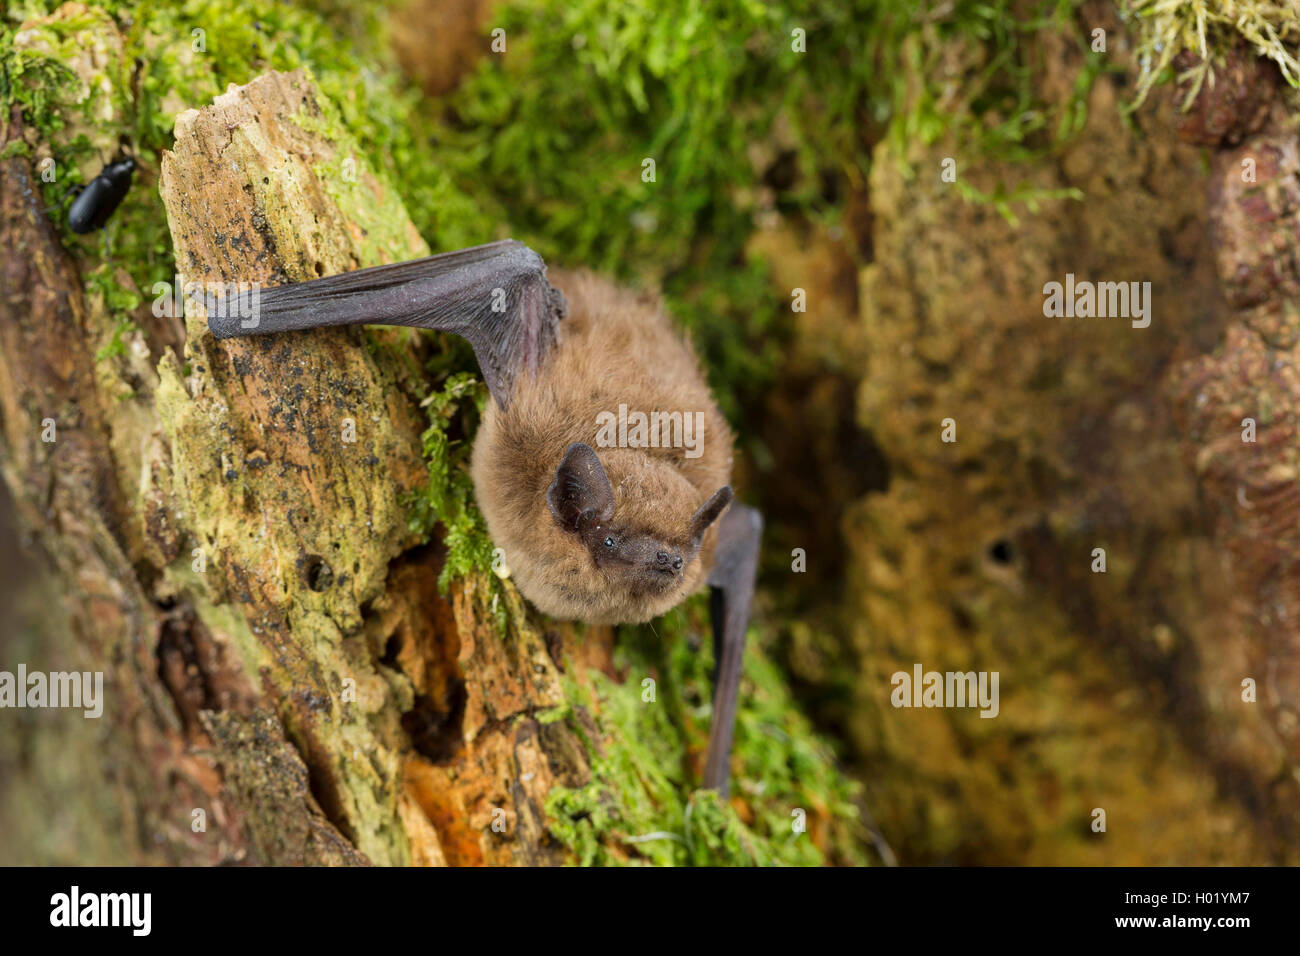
[94,204]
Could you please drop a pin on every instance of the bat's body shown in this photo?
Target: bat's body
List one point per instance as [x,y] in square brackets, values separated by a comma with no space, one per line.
[613,350]
[602,466]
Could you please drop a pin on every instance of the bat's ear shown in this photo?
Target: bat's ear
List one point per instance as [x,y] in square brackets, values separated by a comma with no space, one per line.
[580,487]
[709,512]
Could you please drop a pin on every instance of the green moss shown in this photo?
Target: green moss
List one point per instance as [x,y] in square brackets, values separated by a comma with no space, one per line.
[119,302]
[969,76]
[639,806]
[551,137]
[69,74]
[971,72]
[1006,199]
[448,498]
[1207,28]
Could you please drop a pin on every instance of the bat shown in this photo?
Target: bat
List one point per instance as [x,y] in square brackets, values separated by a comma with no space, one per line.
[101,197]
[602,466]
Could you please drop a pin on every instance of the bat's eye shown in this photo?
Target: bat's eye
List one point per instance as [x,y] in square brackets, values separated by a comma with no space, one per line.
[609,542]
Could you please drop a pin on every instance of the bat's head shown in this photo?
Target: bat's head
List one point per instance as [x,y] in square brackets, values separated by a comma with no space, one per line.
[645,549]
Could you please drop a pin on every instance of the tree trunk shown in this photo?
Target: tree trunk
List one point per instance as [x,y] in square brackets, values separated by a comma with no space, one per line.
[286,682]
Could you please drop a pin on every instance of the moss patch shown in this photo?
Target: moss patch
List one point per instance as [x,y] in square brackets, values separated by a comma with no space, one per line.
[1208,28]
[789,805]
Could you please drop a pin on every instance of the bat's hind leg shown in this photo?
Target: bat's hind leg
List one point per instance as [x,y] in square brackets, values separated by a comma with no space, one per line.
[732,581]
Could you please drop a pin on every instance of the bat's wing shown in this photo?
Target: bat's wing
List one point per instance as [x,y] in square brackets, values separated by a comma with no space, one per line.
[735,565]
[495,295]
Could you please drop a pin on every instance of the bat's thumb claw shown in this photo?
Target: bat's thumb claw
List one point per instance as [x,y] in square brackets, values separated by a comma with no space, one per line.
[232,315]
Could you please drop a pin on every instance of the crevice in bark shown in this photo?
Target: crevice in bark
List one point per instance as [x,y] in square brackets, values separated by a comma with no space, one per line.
[435,727]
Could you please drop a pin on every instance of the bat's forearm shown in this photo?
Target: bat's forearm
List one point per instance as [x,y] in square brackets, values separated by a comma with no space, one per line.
[494,295]
[426,292]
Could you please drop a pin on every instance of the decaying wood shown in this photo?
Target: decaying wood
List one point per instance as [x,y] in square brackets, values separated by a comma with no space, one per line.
[285,661]
[304,524]
[67,492]
[1251,383]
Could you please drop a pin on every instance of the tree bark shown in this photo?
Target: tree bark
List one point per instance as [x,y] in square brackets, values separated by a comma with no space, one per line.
[234,546]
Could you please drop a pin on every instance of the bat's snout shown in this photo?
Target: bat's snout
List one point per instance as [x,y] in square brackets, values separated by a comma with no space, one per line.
[670,563]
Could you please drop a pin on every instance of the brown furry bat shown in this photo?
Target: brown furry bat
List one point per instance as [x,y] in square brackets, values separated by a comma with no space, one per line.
[605,515]
[619,535]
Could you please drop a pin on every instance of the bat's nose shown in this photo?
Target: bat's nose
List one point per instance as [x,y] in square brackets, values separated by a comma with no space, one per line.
[666,561]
